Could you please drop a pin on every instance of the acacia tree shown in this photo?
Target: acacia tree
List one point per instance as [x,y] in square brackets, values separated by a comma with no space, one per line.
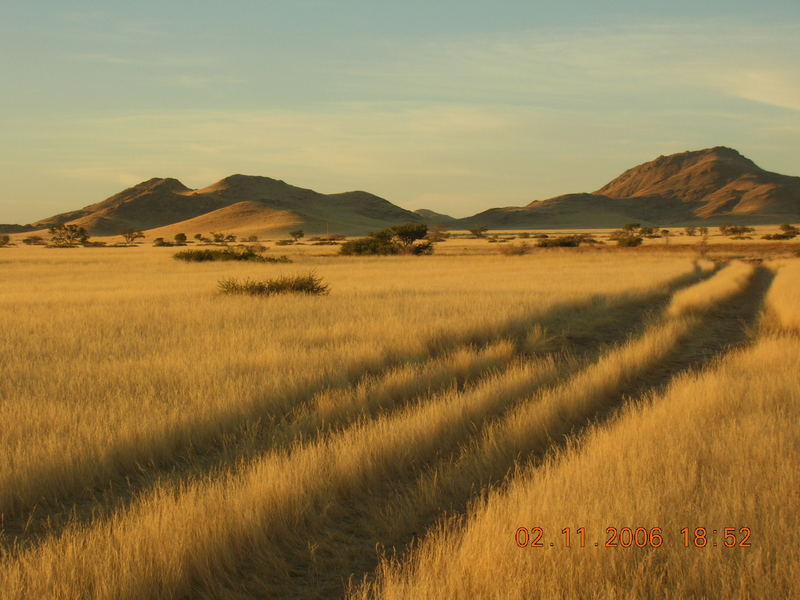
[479,231]
[67,235]
[296,234]
[405,235]
[400,239]
[131,235]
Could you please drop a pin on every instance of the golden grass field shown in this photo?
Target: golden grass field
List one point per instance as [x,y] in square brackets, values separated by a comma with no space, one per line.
[161,440]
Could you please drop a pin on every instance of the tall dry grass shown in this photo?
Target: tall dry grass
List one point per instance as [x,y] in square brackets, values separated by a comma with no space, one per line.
[131,367]
[783,299]
[729,281]
[112,361]
[717,450]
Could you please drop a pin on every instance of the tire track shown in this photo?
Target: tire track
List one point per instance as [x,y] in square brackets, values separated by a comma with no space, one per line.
[574,328]
[343,544]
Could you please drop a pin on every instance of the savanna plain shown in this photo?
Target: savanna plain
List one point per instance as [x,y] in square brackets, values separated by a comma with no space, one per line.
[560,424]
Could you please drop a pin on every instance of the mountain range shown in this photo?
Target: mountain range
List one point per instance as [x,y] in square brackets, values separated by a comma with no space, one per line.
[705,187]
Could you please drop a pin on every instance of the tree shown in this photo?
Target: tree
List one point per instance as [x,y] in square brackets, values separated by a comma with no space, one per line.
[479,231]
[703,231]
[131,235]
[406,234]
[218,237]
[691,230]
[67,235]
[5,240]
[180,238]
[400,239]
[33,240]
[666,233]
[631,226]
[296,234]
[198,236]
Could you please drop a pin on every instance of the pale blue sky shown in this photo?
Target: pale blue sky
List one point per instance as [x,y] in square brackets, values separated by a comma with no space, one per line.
[452,105]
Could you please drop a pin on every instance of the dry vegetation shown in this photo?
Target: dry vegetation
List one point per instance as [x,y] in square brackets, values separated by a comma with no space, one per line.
[162,440]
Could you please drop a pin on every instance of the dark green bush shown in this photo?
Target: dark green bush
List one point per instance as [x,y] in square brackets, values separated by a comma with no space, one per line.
[400,239]
[368,246]
[297,284]
[567,241]
[629,241]
[245,253]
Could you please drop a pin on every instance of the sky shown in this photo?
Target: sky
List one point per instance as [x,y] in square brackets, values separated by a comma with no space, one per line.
[451,105]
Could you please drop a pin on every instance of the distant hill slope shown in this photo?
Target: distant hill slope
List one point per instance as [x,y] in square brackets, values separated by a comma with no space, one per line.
[257,205]
[705,187]
[434,217]
[712,186]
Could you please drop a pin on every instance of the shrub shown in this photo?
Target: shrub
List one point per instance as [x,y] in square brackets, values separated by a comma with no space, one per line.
[629,241]
[400,239]
[567,241]
[227,254]
[284,242]
[180,238]
[160,241]
[5,240]
[298,284]
[524,235]
[438,234]
[33,240]
[515,249]
[368,246]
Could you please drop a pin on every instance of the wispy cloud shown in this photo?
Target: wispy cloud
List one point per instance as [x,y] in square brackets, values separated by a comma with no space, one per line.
[769,86]
[628,66]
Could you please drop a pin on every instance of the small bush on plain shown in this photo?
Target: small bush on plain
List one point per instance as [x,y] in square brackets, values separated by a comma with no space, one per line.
[246,253]
[629,241]
[567,241]
[309,284]
[515,249]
